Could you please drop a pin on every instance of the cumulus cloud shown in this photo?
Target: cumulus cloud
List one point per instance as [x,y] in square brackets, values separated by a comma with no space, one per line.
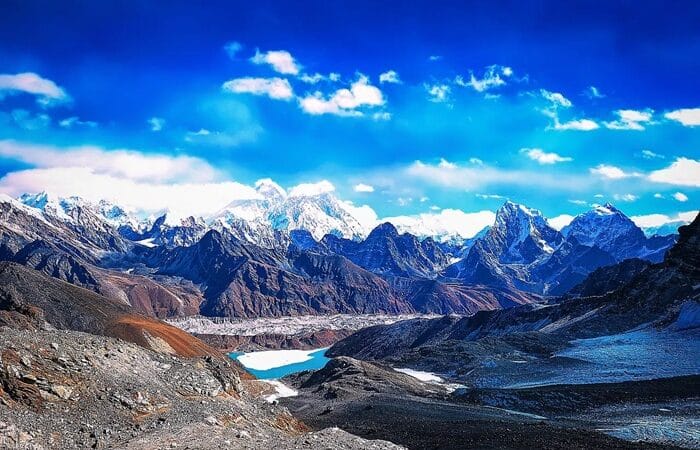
[362,187]
[493,77]
[281,61]
[611,172]
[560,222]
[625,197]
[681,197]
[556,98]
[577,124]
[542,157]
[630,119]
[344,102]
[682,172]
[438,93]
[447,222]
[156,123]
[558,101]
[48,93]
[311,189]
[689,117]
[275,88]
[390,76]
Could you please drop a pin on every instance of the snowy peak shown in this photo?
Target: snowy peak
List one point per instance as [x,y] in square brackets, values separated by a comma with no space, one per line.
[603,226]
[521,234]
[270,190]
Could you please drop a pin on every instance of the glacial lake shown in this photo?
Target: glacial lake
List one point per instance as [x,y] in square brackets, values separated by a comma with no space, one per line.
[275,364]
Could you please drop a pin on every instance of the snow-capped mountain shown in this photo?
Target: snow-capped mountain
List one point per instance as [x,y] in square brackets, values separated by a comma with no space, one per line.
[521,235]
[256,220]
[609,229]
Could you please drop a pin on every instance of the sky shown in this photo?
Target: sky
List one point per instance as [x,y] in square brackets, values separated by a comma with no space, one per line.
[407,107]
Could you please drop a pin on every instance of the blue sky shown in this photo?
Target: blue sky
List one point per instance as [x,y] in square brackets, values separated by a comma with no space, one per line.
[430,105]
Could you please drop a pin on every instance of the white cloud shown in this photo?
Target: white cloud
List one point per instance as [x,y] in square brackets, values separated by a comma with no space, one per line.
[681,197]
[689,117]
[280,60]
[232,48]
[542,157]
[311,189]
[556,98]
[476,161]
[593,92]
[156,123]
[658,195]
[231,138]
[47,91]
[434,58]
[180,199]
[318,77]
[74,121]
[382,115]
[630,119]
[493,77]
[682,172]
[491,196]
[438,93]
[28,121]
[361,187]
[275,88]
[657,220]
[390,76]
[470,177]
[448,222]
[344,102]
[611,172]
[648,154]
[625,197]
[578,124]
[130,164]
[445,164]
[560,222]
[578,202]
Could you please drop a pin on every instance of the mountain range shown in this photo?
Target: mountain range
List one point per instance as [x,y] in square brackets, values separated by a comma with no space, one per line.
[299,253]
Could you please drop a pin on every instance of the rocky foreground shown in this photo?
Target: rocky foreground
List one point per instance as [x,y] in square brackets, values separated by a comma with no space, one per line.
[63,388]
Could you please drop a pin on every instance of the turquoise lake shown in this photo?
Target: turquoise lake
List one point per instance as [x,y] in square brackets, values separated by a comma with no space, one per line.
[318,361]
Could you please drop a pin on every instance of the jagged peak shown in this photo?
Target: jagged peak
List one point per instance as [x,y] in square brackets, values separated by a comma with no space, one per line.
[386,228]
[270,190]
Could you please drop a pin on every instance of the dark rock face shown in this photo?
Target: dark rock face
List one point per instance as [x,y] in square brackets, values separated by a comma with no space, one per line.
[609,278]
[387,253]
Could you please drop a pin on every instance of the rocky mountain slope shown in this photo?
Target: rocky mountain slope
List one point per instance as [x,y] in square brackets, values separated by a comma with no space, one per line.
[169,268]
[70,379]
[658,294]
[523,251]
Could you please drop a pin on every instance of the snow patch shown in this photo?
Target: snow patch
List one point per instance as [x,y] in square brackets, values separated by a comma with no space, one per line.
[281,391]
[427,377]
